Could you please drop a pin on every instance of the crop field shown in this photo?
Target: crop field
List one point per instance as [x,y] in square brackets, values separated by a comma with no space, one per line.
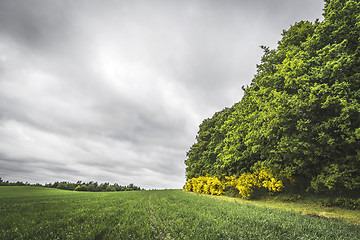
[43,213]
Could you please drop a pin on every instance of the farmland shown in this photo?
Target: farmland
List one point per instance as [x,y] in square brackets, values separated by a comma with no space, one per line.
[43,213]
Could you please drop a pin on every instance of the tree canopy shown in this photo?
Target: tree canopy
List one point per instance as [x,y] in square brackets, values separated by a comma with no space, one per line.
[301,112]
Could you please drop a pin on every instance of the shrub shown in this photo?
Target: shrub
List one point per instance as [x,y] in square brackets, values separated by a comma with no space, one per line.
[205,185]
[110,189]
[81,188]
[341,202]
[246,184]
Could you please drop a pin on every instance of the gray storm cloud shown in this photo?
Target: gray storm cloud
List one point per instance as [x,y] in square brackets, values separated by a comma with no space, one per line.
[115,90]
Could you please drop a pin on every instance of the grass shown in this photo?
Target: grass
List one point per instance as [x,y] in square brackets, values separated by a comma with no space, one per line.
[308,205]
[42,213]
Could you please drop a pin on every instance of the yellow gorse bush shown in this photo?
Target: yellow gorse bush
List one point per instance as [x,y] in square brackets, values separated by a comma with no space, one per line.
[246,183]
[206,185]
[267,180]
[262,177]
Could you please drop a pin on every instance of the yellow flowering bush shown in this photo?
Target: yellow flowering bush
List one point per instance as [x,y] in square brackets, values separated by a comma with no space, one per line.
[206,185]
[216,186]
[262,177]
[189,185]
[267,180]
[199,185]
[246,183]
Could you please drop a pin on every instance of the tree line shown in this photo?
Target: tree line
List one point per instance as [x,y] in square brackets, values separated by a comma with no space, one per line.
[78,186]
[301,112]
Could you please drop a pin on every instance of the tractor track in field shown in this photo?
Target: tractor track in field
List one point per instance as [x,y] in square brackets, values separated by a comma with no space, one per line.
[155,223]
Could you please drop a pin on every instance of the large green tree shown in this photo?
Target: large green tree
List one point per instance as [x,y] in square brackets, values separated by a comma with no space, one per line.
[202,155]
[301,112]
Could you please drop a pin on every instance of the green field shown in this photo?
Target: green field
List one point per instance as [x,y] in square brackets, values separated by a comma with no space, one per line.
[43,213]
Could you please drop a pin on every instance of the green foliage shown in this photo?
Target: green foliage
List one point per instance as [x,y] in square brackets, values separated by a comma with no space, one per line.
[81,188]
[301,112]
[202,154]
[18,183]
[47,213]
[342,202]
[78,186]
[92,186]
[66,186]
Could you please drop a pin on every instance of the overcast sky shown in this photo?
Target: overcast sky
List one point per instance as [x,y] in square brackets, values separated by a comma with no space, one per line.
[114,91]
